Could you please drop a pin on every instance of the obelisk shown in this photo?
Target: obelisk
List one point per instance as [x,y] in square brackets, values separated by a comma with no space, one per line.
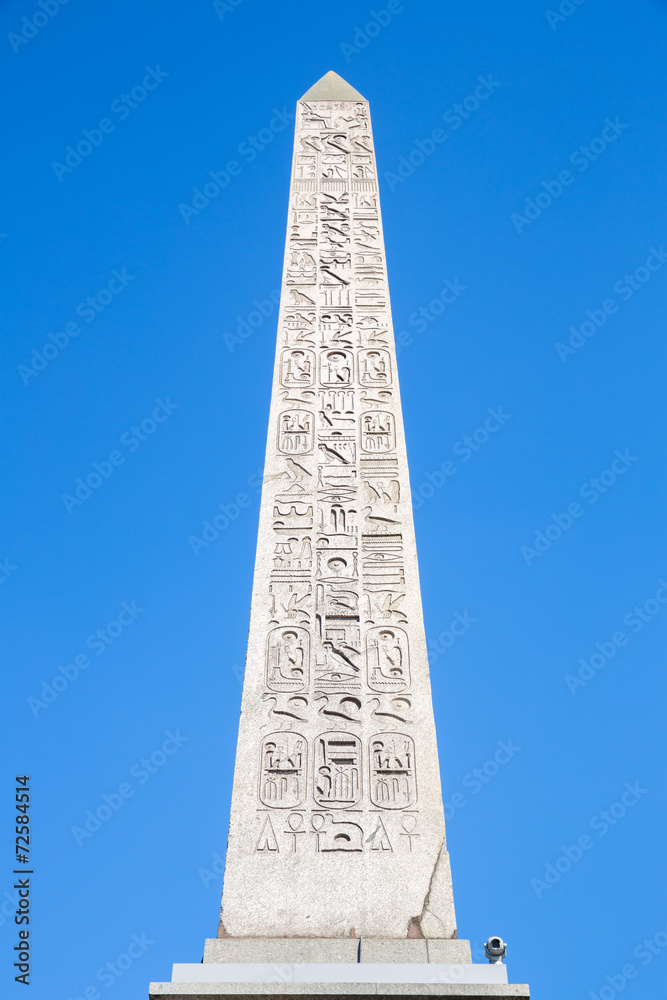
[336,850]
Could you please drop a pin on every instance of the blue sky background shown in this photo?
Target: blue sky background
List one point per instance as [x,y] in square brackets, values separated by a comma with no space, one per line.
[176,665]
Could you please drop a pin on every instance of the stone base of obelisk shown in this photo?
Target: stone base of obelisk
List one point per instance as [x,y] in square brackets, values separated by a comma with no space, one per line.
[313,967]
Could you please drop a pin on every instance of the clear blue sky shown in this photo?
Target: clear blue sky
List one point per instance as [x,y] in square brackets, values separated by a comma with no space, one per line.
[543,205]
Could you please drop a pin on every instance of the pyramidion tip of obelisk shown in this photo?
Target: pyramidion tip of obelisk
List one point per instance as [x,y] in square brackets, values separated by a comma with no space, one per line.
[332,87]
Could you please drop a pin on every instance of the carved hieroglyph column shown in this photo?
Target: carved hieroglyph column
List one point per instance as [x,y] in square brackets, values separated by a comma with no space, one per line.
[337,826]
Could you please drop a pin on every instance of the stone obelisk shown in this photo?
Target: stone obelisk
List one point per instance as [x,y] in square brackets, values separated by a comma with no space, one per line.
[336,854]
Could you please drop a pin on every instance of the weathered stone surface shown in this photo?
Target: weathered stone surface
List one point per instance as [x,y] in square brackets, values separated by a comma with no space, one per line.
[393,950]
[337,826]
[281,950]
[446,951]
[441,950]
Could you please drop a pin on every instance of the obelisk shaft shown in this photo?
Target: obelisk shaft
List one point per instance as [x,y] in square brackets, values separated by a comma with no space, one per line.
[337,825]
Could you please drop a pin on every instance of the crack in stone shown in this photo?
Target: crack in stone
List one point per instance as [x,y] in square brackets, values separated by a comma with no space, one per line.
[427,897]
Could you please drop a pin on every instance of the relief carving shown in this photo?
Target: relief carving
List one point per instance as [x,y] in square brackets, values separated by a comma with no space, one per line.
[334,296]
[387,606]
[306,166]
[292,556]
[393,782]
[333,165]
[300,298]
[287,659]
[337,707]
[303,200]
[387,659]
[379,837]
[291,600]
[338,142]
[335,235]
[337,409]
[374,368]
[368,275]
[392,709]
[301,268]
[335,268]
[336,368]
[408,828]
[337,775]
[361,200]
[336,519]
[372,330]
[296,432]
[383,491]
[294,829]
[335,562]
[283,770]
[292,516]
[297,368]
[367,233]
[336,667]
[266,842]
[286,709]
[336,329]
[377,431]
[337,448]
[336,834]
[293,474]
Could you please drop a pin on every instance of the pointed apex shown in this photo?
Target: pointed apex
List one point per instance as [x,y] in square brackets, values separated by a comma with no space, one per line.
[332,87]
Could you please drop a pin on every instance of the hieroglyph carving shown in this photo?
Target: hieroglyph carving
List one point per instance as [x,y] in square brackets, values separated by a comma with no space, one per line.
[295,432]
[336,725]
[337,779]
[282,773]
[387,659]
[287,659]
[338,632]
[392,771]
